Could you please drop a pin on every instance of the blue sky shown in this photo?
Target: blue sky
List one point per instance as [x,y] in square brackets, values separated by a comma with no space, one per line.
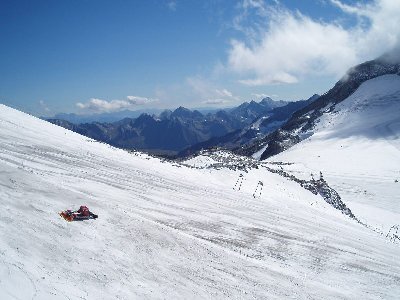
[101,56]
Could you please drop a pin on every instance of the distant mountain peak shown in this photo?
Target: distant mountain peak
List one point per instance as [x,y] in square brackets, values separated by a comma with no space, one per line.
[267,100]
[181,108]
[183,112]
[144,120]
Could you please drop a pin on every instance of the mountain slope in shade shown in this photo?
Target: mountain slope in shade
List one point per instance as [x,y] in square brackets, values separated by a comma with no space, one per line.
[252,110]
[171,231]
[356,145]
[171,131]
[265,122]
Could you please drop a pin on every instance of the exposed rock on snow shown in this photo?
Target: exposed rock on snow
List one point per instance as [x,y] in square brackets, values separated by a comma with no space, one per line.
[224,159]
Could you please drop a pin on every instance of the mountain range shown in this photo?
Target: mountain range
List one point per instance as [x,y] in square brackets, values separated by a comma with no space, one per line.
[173,131]
[262,124]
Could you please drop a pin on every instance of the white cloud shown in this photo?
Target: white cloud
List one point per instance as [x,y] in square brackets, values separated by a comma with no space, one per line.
[208,93]
[200,87]
[99,105]
[291,45]
[347,8]
[277,78]
[136,100]
[216,101]
[44,106]
[172,5]
[262,96]
[246,7]
[224,93]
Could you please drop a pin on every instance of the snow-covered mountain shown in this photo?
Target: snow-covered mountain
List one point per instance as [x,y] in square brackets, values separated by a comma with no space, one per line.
[352,135]
[215,226]
[356,144]
[302,122]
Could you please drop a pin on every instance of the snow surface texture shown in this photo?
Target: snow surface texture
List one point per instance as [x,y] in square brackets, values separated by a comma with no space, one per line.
[170,231]
[357,148]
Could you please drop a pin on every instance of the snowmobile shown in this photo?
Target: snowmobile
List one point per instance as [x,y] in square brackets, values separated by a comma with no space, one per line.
[83,213]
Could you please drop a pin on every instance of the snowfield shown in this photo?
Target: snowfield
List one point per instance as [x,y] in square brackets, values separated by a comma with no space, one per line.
[178,231]
[357,148]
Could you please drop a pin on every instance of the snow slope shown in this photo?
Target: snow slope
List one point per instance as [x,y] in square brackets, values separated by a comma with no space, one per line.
[169,231]
[357,147]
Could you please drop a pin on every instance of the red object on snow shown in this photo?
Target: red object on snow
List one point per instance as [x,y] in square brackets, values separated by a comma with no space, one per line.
[67,215]
[84,211]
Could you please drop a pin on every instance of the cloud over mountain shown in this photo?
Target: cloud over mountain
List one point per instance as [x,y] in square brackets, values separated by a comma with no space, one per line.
[99,105]
[288,45]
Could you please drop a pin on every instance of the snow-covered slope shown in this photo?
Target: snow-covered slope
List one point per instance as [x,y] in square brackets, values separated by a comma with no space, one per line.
[304,119]
[169,231]
[357,147]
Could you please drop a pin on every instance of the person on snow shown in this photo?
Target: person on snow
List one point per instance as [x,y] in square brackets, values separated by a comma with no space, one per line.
[84,212]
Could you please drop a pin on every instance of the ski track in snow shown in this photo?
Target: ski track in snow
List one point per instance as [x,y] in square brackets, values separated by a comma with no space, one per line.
[167,231]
